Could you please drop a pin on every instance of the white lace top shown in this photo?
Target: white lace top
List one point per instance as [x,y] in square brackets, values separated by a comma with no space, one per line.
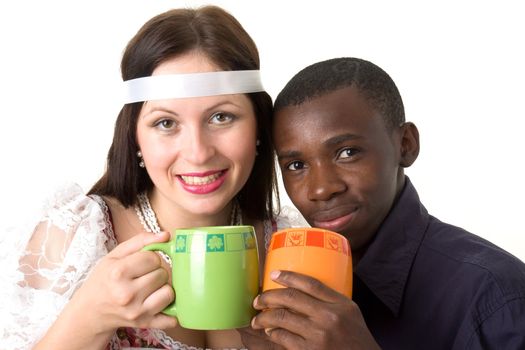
[40,270]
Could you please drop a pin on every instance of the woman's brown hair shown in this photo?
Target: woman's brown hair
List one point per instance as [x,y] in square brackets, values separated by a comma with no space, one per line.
[218,35]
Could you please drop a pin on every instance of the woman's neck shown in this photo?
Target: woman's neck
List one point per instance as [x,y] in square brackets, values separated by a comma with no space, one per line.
[170,216]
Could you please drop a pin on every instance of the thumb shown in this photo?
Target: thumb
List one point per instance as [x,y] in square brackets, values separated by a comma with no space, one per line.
[137,242]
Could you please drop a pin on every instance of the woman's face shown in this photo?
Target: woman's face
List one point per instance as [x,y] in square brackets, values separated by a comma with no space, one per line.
[199,152]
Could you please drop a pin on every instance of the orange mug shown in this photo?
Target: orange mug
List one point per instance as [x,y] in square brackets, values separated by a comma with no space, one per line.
[319,253]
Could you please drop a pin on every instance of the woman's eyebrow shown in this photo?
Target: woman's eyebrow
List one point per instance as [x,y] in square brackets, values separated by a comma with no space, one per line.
[160,108]
[223,103]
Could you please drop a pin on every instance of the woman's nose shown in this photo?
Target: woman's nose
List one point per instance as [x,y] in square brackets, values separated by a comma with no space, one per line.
[324,183]
[197,146]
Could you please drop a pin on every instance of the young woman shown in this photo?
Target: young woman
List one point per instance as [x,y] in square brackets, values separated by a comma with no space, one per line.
[191,148]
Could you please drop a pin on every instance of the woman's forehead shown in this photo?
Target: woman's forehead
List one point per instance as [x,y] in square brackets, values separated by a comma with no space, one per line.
[191,62]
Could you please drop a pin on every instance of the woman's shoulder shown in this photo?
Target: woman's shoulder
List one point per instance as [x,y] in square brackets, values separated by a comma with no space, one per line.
[69,208]
[67,196]
[69,202]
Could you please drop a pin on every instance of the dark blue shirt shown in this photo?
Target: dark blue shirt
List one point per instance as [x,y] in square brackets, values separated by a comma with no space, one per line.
[425,284]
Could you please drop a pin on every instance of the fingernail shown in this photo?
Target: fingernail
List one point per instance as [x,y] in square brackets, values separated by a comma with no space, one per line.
[275,274]
[255,301]
[268,331]
[253,323]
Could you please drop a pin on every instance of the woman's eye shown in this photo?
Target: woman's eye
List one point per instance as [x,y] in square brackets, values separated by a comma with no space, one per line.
[295,165]
[221,118]
[165,124]
[347,153]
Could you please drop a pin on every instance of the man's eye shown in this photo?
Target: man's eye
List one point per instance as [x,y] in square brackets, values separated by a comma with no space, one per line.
[221,118]
[347,153]
[296,165]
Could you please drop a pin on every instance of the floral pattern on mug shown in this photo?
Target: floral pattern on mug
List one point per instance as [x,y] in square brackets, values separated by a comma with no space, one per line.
[180,245]
[249,241]
[295,238]
[215,243]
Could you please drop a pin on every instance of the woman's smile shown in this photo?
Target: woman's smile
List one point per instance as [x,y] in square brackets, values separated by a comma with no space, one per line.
[201,178]
[202,183]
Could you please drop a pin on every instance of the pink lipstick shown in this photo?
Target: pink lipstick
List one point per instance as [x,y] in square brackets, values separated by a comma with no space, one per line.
[202,183]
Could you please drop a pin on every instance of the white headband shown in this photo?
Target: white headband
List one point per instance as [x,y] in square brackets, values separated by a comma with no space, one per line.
[159,87]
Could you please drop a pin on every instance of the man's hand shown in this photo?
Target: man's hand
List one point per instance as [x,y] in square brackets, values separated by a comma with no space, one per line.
[257,339]
[306,315]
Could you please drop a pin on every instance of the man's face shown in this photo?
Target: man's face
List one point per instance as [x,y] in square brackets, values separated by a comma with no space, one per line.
[340,164]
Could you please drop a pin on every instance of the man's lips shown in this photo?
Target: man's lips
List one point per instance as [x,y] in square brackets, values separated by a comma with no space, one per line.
[335,219]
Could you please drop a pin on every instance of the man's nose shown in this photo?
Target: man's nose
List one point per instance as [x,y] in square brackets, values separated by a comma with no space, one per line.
[324,183]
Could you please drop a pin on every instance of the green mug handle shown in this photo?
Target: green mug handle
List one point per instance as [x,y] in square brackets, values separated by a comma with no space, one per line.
[166,248]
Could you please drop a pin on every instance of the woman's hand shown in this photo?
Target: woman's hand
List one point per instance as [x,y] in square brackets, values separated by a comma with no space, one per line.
[130,287]
[127,288]
[306,315]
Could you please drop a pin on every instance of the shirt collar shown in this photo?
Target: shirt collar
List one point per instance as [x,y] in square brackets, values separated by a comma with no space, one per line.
[386,265]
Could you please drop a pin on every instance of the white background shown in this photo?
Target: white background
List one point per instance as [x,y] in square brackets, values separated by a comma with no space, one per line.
[458,64]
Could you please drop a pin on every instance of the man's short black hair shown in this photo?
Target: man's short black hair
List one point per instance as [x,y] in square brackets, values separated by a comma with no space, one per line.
[337,73]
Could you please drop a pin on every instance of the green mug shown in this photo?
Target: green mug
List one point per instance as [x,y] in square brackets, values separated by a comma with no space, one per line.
[215,274]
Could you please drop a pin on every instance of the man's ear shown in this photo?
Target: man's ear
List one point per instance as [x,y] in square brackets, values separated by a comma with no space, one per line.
[409,144]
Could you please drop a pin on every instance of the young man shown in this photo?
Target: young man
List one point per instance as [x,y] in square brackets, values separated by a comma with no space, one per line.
[342,144]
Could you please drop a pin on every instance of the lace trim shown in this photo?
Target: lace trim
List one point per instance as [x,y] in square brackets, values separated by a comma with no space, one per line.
[268,228]
[108,229]
[166,340]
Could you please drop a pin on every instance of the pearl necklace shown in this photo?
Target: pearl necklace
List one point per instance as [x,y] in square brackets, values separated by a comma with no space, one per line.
[149,221]
[146,214]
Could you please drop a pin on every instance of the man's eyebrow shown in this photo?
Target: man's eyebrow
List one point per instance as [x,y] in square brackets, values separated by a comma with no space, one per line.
[339,139]
[288,154]
[333,141]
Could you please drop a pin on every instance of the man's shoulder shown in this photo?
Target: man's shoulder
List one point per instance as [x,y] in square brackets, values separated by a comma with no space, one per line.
[474,256]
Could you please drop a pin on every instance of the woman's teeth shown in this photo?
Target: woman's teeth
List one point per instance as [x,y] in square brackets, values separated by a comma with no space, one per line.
[200,180]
